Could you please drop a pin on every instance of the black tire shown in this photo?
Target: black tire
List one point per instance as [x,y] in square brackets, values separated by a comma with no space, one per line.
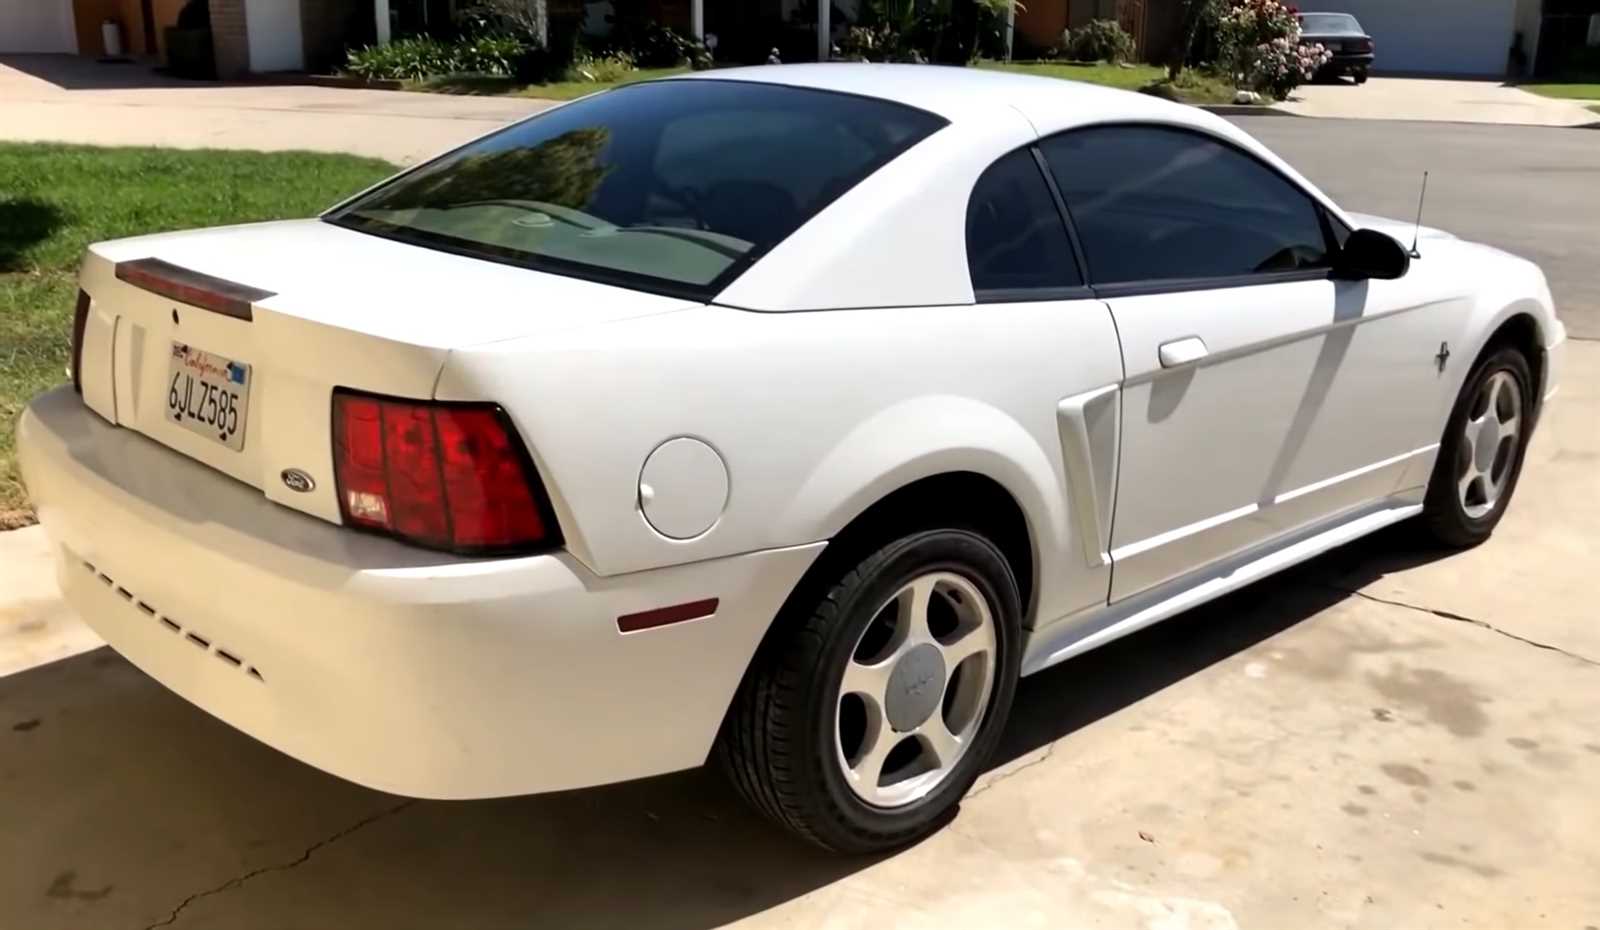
[778,743]
[1361,76]
[1444,515]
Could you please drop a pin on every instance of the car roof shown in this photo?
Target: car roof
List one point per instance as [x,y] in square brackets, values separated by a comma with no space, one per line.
[898,238]
[967,95]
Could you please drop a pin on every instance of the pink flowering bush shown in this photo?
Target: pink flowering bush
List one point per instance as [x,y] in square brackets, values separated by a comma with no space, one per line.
[1260,42]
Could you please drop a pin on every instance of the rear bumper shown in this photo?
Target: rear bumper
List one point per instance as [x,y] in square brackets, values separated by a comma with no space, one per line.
[408,671]
[1349,61]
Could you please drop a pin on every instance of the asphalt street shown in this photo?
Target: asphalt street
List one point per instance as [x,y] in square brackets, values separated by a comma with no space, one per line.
[1534,191]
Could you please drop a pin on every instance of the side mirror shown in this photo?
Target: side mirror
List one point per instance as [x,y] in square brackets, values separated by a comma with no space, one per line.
[1371,254]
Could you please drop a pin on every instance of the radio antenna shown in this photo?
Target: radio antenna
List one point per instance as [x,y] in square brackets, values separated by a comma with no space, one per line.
[1417,233]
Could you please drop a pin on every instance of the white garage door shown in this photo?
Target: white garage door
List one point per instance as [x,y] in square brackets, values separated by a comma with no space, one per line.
[37,26]
[1436,36]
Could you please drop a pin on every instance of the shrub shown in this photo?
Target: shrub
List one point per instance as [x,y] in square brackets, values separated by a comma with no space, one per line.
[402,59]
[489,54]
[417,58]
[1260,42]
[196,14]
[652,45]
[1097,40]
[601,69]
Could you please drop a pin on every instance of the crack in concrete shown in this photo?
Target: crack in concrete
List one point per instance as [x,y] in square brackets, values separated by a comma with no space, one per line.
[1448,615]
[1049,750]
[300,860]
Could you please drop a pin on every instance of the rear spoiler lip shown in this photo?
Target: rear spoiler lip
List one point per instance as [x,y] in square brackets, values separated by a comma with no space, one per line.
[194,288]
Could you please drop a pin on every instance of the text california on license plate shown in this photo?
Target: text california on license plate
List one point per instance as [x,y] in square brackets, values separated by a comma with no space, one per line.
[208,394]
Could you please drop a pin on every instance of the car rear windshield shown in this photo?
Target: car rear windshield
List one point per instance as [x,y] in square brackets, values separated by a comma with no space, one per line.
[673,187]
[1329,24]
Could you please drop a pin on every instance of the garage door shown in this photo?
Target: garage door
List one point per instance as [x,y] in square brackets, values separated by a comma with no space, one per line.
[37,26]
[1434,36]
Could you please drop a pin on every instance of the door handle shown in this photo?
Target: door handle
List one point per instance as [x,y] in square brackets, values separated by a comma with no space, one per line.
[1182,351]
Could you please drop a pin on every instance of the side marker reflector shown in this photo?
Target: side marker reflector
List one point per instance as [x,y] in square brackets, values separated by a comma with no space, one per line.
[664,616]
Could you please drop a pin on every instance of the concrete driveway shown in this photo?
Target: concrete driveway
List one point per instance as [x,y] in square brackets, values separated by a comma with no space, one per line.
[1391,98]
[58,98]
[1386,737]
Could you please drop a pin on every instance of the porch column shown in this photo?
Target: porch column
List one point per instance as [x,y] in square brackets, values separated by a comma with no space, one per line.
[824,29]
[1011,26]
[380,10]
[697,19]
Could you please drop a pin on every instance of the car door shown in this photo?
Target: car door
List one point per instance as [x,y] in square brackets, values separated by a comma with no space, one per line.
[1260,395]
[1023,268]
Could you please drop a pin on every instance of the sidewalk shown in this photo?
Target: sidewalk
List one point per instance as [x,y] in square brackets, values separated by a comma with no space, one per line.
[51,98]
[1435,100]
[36,626]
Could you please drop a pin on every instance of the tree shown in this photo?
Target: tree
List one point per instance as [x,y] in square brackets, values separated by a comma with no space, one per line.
[1194,13]
[565,171]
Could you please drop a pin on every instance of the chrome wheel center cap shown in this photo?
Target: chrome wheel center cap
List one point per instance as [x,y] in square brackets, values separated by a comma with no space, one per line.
[916,687]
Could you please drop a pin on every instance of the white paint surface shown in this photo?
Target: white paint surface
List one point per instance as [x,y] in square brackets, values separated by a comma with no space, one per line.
[37,26]
[274,29]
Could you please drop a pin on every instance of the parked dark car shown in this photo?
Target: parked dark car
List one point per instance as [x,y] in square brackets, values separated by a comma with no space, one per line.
[1340,34]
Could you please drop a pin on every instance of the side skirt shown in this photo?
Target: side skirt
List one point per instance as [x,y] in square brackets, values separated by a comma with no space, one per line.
[1076,634]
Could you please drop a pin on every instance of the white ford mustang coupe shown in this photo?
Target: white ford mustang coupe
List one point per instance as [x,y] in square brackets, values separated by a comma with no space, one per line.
[783,415]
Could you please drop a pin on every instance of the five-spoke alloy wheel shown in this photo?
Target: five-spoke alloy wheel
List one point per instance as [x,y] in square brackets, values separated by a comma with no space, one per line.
[877,699]
[1480,456]
[1489,443]
[915,689]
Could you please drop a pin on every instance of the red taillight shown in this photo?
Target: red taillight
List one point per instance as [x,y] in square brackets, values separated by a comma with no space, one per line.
[446,476]
[80,322]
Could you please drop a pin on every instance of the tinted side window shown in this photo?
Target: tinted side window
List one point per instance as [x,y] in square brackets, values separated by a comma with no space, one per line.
[1152,203]
[1015,238]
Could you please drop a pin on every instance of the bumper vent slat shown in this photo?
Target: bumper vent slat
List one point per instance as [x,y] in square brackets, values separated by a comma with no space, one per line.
[189,635]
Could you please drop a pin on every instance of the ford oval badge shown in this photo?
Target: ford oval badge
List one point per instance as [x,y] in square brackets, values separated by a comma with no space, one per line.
[296,480]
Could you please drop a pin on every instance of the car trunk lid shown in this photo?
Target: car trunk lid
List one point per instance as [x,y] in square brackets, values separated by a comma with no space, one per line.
[274,316]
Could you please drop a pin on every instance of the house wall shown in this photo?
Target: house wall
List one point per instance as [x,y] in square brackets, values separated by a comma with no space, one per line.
[1040,23]
[87,16]
[273,35]
[37,26]
[166,15]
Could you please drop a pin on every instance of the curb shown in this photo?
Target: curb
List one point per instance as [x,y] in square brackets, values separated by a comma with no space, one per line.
[293,79]
[1243,109]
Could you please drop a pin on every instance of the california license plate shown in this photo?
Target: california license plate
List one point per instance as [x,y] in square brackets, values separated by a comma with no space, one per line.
[208,394]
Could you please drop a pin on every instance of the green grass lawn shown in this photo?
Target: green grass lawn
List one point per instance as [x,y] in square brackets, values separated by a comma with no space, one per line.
[509,87]
[56,199]
[1575,91]
[1192,86]
[1131,78]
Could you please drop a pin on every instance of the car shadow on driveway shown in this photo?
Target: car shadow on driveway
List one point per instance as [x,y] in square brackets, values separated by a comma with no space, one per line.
[125,806]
